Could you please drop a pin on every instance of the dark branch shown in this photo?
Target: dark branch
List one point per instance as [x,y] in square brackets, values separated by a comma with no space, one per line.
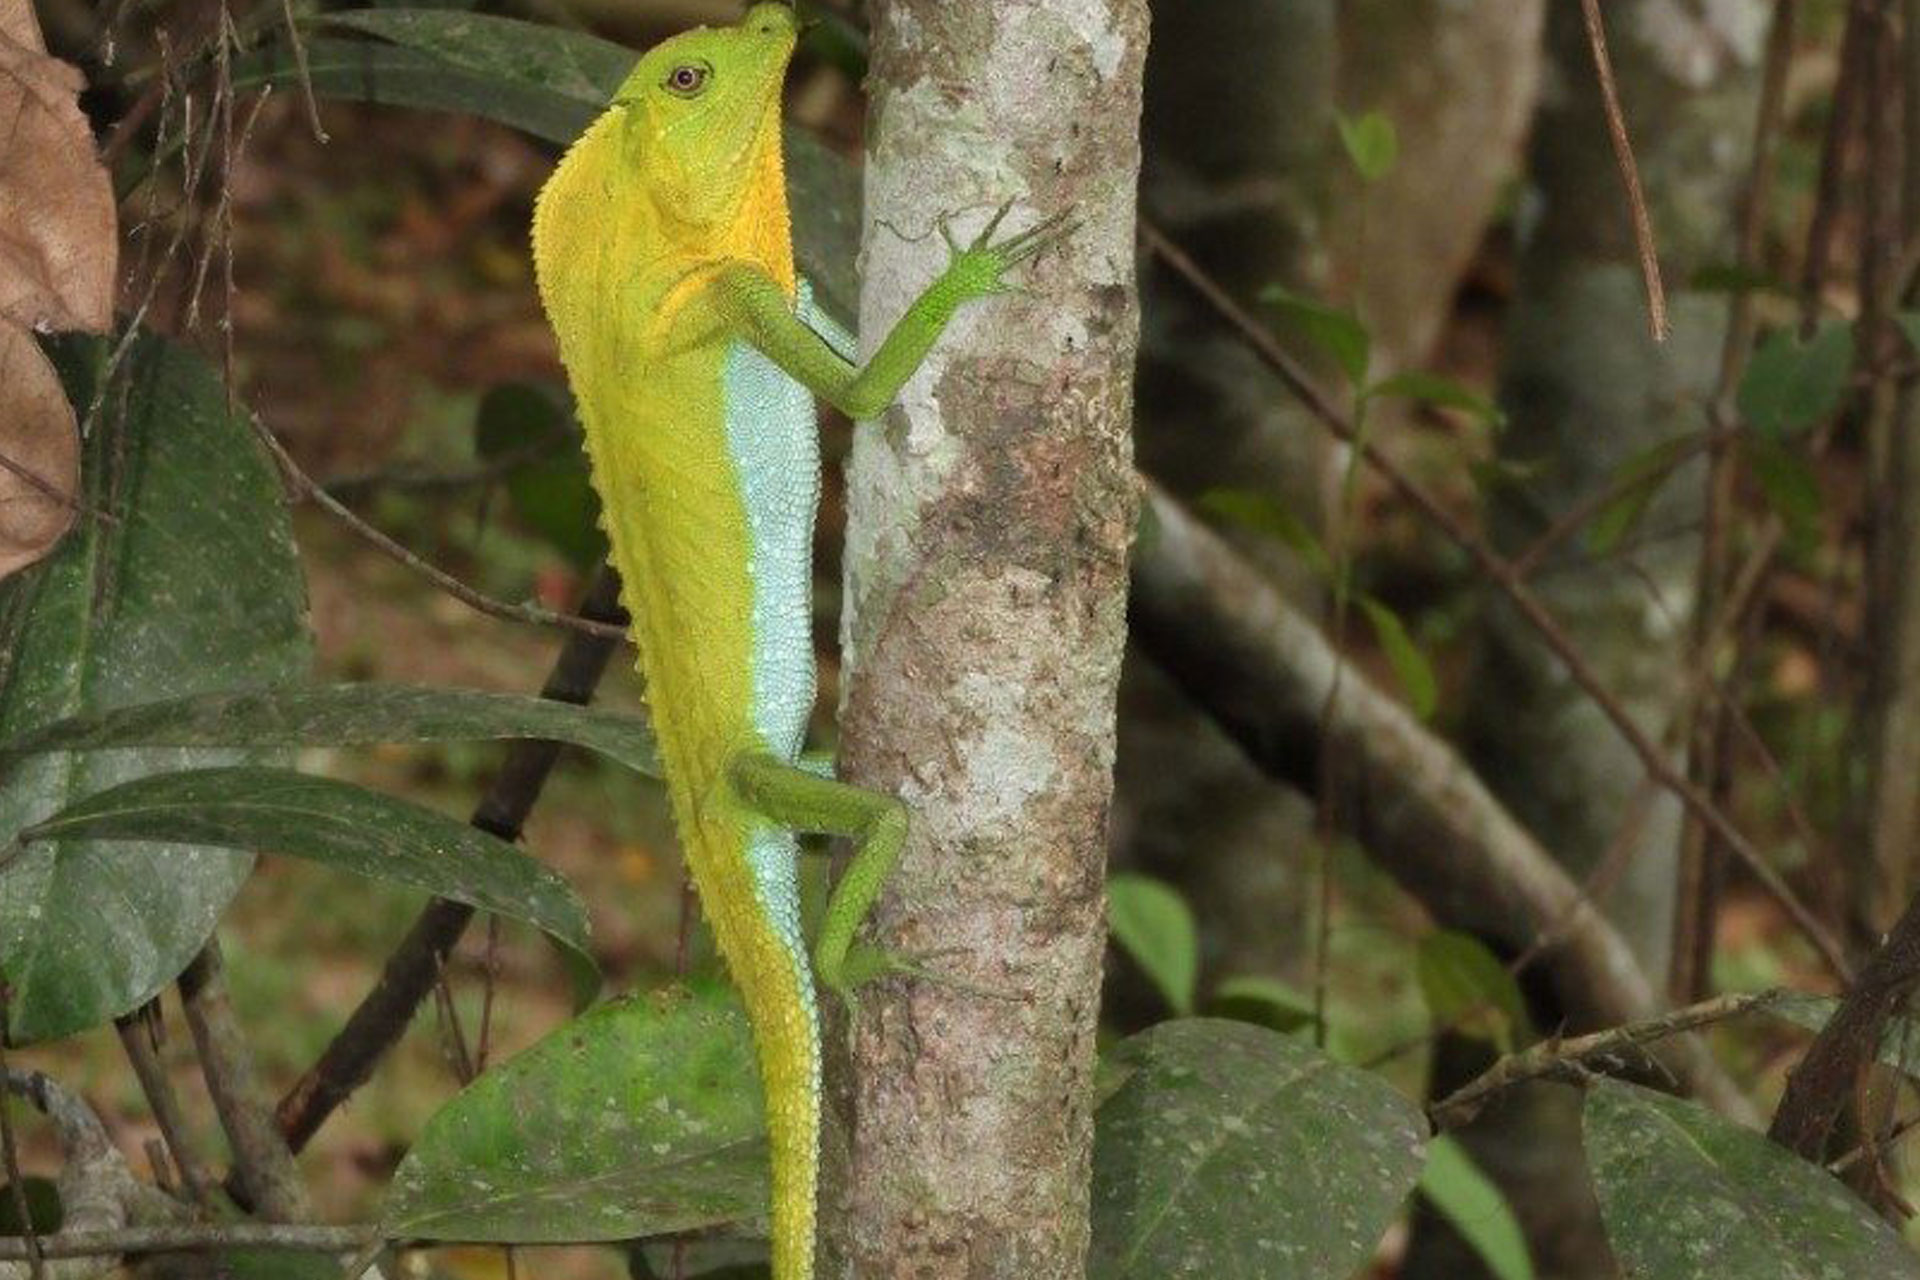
[415,964]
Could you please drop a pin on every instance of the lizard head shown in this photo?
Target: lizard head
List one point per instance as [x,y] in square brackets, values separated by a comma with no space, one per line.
[702,111]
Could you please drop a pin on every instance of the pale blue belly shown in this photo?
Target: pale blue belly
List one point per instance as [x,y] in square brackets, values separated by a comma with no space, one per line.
[773,437]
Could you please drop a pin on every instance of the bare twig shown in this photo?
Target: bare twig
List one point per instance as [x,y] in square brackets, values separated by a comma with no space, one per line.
[1629,171]
[195,1238]
[138,1033]
[304,487]
[1500,572]
[263,1167]
[1573,1059]
[1878,1145]
[306,77]
[411,970]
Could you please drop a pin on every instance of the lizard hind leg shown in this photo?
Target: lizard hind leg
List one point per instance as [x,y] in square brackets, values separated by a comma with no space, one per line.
[798,797]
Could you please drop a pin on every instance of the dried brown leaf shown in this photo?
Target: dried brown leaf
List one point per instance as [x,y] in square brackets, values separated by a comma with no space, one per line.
[39,452]
[59,246]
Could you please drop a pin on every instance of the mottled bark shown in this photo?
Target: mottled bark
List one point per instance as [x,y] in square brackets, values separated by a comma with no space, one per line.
[989,514]
[1587,390]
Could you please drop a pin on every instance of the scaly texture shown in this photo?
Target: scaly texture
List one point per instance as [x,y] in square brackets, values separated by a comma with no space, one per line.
[623,249]
[663,250]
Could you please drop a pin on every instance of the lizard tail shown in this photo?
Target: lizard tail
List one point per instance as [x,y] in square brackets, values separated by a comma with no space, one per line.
[746,887]
[789,1052]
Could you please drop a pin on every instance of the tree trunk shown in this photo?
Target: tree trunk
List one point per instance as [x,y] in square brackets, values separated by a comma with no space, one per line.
[989,515]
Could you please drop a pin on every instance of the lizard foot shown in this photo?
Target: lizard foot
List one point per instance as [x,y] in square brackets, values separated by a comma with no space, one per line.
[977,269]
[865,963]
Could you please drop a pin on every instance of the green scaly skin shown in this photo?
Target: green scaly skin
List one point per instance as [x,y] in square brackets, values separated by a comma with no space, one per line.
[663,249]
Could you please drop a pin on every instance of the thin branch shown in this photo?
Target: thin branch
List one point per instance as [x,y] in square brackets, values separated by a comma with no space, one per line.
[411,970]
[1501,573]
[263,1164]
[139,1032]
[1629,171]
[194,1238]
[306,77]
[1875,1147]
[305,487]
[1572,1059]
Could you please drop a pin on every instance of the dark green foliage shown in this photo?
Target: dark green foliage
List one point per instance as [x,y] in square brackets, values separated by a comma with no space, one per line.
[181,580]
[1228,1150]
[344,826]
[1689,1196]
[639,1117]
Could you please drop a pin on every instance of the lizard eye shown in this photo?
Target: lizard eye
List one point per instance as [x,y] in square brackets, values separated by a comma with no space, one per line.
[688,79]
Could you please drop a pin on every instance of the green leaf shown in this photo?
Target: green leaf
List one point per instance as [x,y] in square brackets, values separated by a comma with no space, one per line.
[1442,393]
[333,823]
[1339,334]
[550,83]
[550,490]
[1468,990]
[1790,386]
[184,581]
[1686,1195]
[573,66]
[1264,1002]
[1410,666]
[342,715]
[1371,143]
[1790,485]
[1636,482]
[1469,1200]
[1264,514]
[1152,924]
[1232,1151]
[640,1117]
[367,71]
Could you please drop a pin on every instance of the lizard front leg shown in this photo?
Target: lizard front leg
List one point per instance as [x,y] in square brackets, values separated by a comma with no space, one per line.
[760,311]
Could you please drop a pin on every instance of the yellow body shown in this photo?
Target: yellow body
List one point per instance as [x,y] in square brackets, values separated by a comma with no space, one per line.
[628,233]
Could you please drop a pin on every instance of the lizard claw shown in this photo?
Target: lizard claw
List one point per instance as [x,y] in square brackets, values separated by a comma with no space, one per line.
[985,239]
